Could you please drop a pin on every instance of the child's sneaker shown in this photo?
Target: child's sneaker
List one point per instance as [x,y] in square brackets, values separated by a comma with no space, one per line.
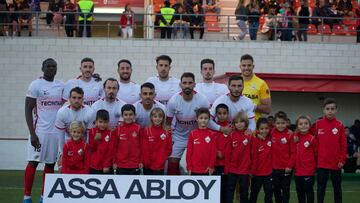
[27,200]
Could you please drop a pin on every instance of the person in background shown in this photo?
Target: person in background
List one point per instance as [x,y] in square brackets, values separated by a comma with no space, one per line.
[197,20]
[254,15]
[4,18]
[345,7]
[303,12]
[127,22]
[85,9]
[166,18]
[352,148]
[55,6]
[241,13]
[181,21]
[69,9]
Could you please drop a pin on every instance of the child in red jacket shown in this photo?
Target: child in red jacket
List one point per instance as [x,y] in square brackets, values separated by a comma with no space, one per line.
[101,144]
[261,165]
[305,161]
[330,136]
[222,143]
[238,159]
[282,151]
[201,146]
[76,156]
[157,144]
[127,156]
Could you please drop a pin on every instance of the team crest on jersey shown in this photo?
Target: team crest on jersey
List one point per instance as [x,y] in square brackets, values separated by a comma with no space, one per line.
[283,140]
[234,143]
[80,152]
[70,153]
[196,141]
[306,144]
[269,143]
[335,131]
[163,136]
[253,86]
[134,134]
[245,142]
[107,138]
[207,139]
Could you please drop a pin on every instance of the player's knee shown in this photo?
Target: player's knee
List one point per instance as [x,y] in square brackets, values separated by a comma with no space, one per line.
[34,163]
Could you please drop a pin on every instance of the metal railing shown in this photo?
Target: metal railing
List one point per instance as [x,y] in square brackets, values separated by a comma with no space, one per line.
[106,24]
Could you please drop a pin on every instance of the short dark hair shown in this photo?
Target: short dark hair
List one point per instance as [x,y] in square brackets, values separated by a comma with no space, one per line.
[124,61]
[163,57]
[235,77]
[329,100]
[202,110]
[148,85]
[207,61]
[111,79]
[281,115]
[187,75]
[167,3]
[78,90]
[261,121]
[48,60]
[247,57]
[221,106]
[103,115]
[87,59]
[128,107]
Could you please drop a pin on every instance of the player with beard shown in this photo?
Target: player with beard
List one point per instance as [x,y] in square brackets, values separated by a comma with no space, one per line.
[208,87]
[110,103]
[182,106]
[43,100]
[88,81]
[165,85]
[129,91]
[236,101]
[146,104]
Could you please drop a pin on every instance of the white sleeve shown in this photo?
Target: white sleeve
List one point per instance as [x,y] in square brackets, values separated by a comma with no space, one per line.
[89,123]
[33,90]
[213,125]
[213,108]
[251,115]
[60,129]
[170,108]
[67,89]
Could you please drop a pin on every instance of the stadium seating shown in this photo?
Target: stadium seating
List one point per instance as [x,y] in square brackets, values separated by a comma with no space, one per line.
[312,29]
[339,30]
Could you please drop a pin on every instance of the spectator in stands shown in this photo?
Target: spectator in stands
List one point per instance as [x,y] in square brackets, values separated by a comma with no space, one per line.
[69,9]
[269,24]
[127,22]
[4,18]
[197,20]
[213,6]
[35,5]
[331,11]
[189,5]
[287,23]
[25,18]
[177,4]
[181,21]
[55,6]
[352,148]
[345,7]
[241,13]
[304,12]
[316,13]
[85,9]
[254,15]
[357,12]
[167,14]
[355,129]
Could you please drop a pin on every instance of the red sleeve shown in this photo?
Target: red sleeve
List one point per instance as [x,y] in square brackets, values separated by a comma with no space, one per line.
[292,160]
[86,159]
[64,160]
[343,146]
[315,144]
[92,143]
[145,146]
[213,153]
[228,150]
[115,143]
[254,155]
[169,144]
[313,129]
[189,152]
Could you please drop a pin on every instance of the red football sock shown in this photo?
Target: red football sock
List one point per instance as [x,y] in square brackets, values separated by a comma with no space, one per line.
[29,179]
[173,168]
[46,170]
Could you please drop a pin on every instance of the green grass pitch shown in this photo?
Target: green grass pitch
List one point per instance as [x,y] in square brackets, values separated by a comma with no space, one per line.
[11,188]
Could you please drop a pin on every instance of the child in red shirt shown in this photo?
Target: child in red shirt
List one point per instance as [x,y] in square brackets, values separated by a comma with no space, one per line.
[261,165]
[222,142]
[157,143]
[238,159]
[305,161]
[76,156]
[331,139]
[101,144]
[127,156]
[201,146]
[282,151]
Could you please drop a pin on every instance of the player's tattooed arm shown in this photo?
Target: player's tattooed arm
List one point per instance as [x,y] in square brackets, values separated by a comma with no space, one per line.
[30,104]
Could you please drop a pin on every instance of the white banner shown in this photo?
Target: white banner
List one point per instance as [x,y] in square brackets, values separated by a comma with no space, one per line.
[66,188]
